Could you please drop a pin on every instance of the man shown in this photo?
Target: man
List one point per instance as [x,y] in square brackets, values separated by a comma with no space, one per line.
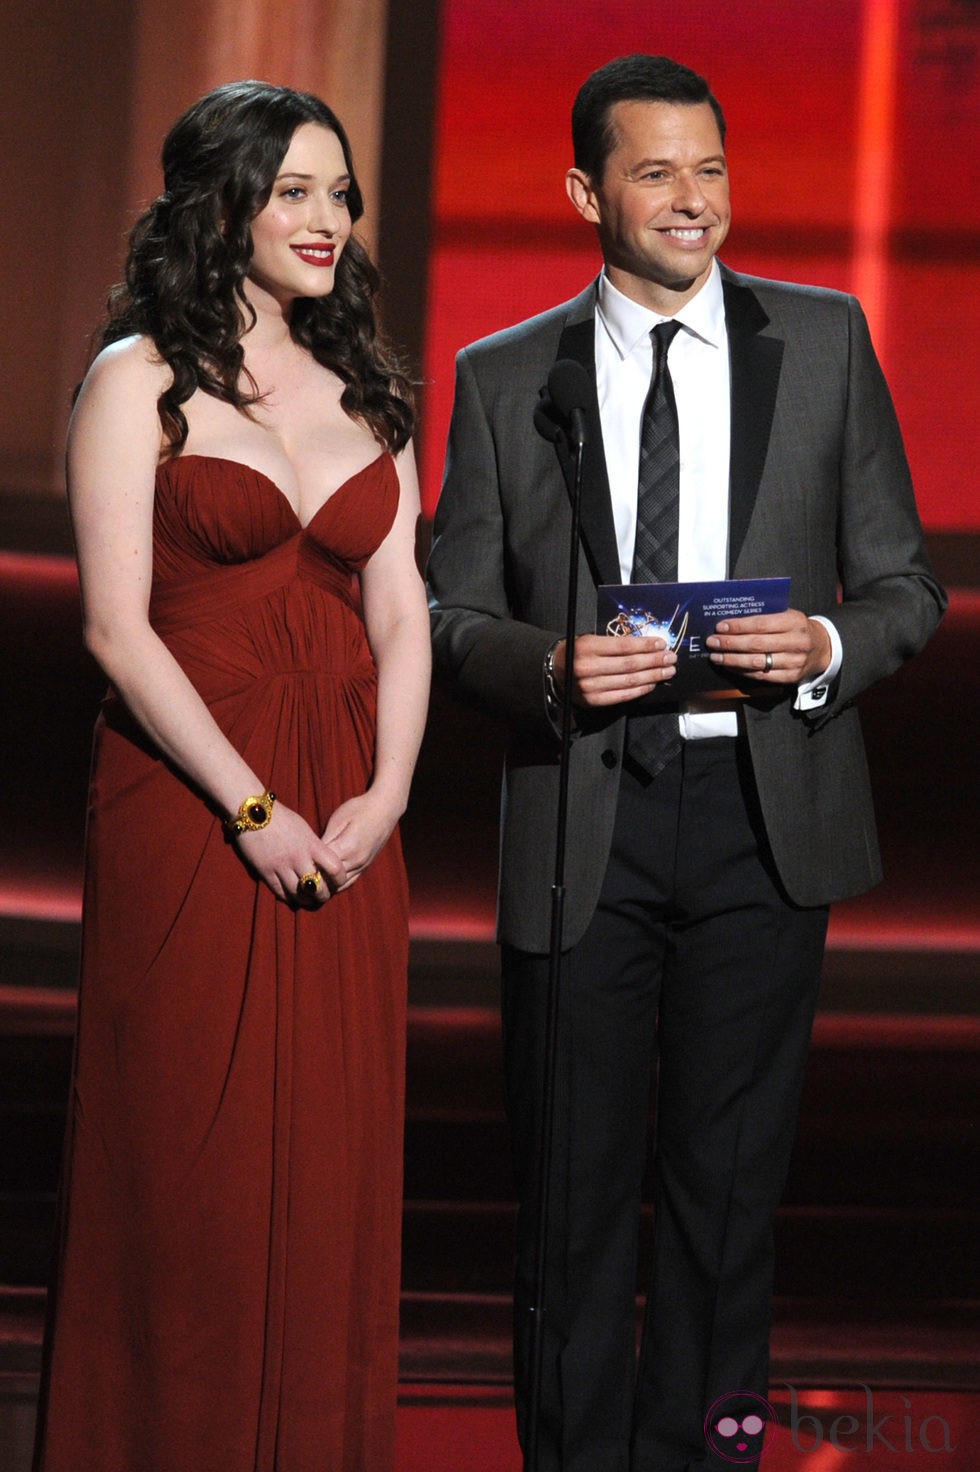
[698,876]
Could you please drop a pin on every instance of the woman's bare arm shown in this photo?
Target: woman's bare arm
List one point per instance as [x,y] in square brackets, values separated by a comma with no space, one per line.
[397,625]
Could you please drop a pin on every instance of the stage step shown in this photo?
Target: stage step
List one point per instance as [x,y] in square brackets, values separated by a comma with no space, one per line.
[886,1164]
[466,1337]
[460,1338]
[842,1253]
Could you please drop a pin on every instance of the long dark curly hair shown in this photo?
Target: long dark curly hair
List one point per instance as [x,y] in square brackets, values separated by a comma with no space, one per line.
[189,255]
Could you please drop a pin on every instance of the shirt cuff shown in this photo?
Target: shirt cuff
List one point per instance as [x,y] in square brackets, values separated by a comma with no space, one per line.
[813,693]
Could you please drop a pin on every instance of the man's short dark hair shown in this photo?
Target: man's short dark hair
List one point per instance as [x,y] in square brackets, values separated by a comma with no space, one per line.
[636,78]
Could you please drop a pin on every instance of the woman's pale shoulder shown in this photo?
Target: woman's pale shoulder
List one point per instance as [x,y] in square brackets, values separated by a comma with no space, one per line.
[131,364]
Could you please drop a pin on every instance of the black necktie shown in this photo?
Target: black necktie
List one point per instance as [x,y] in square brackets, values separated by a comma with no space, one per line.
[653,741]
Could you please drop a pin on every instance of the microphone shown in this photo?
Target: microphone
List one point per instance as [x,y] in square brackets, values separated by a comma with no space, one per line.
[545,419]
[562,407]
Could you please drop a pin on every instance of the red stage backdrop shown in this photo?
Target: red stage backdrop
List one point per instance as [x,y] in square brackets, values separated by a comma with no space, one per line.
[853,130]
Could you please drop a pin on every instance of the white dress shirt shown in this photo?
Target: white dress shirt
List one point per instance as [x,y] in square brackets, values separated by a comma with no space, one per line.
[699,371]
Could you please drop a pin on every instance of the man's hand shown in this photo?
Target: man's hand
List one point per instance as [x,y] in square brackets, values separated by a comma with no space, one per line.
[610,669]
[777,648]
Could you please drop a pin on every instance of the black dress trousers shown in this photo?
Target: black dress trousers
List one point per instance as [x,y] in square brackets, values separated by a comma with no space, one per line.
[696,977]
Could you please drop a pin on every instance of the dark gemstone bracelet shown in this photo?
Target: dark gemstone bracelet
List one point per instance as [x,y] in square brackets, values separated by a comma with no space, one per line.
[254,813]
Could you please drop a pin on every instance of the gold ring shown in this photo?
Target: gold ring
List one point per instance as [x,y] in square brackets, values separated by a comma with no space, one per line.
[309,884]
[768,662]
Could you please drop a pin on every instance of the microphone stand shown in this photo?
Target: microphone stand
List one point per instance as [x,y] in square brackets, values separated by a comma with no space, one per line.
[538,1307]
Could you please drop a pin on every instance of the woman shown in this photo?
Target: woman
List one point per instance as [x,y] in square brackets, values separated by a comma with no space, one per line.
[227,1290]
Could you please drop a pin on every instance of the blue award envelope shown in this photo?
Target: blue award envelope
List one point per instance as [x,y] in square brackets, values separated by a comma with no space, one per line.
[684,614]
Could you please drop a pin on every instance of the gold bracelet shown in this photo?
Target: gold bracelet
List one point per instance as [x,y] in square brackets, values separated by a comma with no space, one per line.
[254,813]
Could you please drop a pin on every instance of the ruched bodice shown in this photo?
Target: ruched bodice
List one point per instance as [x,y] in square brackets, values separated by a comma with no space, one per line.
[212,513]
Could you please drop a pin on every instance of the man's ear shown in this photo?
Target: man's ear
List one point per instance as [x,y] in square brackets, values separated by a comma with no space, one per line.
[582,195]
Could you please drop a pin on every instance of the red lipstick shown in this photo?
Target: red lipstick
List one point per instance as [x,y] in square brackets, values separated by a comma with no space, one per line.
[315,255]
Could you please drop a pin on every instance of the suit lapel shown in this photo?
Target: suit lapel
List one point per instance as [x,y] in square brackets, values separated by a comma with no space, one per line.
[755,365]
[597,529]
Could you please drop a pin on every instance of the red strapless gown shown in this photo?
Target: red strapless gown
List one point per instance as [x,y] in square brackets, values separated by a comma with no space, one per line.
[227,1295]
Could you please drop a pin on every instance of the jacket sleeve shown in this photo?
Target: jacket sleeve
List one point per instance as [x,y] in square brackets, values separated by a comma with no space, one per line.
[482,653]
[890,601]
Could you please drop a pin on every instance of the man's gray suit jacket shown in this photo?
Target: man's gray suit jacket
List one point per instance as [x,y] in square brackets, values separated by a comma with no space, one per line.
[819,491]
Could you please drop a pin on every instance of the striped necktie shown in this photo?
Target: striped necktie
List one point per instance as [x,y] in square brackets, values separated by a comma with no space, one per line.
[653,741]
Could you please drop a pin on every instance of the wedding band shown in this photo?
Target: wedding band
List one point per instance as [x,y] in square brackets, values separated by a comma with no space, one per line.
[309,884]
[768,665]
